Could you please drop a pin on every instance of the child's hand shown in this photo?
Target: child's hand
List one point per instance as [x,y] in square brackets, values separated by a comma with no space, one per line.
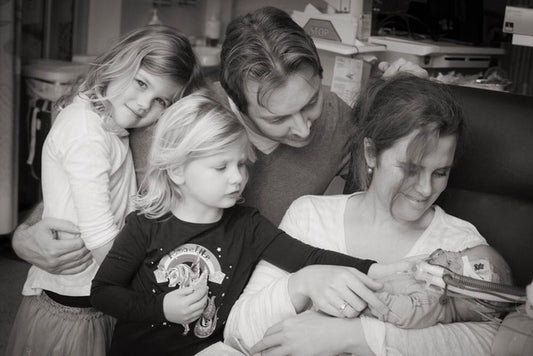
[338,291]
[382,270]
[185,305]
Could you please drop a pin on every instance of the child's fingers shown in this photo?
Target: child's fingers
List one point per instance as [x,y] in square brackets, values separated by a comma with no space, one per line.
[363,286]
[199,304]
[192,317]
[195,310]
[415,258]
[197,293]
[401,267]
[184,292]
[409,263]
[202,281]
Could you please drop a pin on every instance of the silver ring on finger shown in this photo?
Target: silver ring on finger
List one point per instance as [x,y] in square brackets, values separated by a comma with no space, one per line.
[343,307]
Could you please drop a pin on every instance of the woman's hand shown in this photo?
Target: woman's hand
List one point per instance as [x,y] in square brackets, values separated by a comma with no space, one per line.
[312,333]
[335,290]
[38,245]
[185,305]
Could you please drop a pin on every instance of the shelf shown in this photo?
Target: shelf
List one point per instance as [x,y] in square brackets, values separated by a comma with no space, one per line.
[347,50]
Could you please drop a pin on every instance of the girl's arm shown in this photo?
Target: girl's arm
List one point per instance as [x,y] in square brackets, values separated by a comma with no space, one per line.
[98,172]
[88,164]
[111,291]
[291,255]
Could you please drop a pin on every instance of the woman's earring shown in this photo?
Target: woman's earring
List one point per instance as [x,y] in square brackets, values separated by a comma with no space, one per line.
[370,171]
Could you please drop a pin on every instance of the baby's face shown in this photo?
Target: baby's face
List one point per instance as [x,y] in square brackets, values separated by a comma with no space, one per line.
[472,262]
[447,259]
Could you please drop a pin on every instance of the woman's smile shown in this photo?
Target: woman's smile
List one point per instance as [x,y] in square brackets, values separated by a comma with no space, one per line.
[416,201]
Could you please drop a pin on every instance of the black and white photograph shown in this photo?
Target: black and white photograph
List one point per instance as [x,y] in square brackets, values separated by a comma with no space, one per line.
[274,178]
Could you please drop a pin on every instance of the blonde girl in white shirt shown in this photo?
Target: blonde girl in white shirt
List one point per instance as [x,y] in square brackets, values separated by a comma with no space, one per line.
[88,178]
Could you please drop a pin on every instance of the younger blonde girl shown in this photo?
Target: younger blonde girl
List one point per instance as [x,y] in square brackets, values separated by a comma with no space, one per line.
[186,254]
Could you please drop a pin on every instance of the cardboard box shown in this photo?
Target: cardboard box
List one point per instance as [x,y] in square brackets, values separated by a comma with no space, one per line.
[348,77]
[334,27]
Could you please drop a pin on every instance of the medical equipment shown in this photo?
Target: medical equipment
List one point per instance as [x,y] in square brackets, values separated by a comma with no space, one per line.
[515,334]
[467,286]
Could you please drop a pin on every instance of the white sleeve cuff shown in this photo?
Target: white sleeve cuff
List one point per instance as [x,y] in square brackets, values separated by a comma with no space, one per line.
[255,312]
[285,306]
[95,240]
[374,331]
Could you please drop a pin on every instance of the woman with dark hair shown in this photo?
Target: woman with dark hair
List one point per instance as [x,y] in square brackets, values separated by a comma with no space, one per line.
[409,130]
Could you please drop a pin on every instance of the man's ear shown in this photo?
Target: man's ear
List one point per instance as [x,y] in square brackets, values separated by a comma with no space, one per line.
[370,152]
[177,175]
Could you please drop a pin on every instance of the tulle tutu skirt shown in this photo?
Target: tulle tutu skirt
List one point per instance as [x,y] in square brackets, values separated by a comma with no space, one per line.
[44,327]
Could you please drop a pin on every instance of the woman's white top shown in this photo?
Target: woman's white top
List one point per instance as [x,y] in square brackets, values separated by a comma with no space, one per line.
[319,221]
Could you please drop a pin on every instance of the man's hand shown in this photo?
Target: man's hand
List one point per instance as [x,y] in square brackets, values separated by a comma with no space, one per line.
[37,244]
[401,65]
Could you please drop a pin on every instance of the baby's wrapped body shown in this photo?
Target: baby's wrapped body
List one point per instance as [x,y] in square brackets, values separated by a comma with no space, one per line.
[415,304]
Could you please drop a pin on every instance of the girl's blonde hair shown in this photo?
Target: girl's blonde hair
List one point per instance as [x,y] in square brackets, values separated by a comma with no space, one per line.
[196,126]
[160,50]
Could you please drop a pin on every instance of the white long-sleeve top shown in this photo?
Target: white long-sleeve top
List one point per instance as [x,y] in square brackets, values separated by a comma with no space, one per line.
[319,221]
[89,179]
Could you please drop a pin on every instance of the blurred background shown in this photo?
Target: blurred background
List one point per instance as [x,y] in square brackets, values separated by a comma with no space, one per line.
[46,44]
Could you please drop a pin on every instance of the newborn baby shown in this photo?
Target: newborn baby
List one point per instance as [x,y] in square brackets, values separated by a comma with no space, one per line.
[415,303]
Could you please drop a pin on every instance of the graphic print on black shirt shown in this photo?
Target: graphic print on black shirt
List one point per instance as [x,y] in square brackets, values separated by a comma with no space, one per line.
[190,265]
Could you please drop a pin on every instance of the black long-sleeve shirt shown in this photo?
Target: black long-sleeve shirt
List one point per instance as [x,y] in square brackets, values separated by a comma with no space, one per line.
[131,284]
